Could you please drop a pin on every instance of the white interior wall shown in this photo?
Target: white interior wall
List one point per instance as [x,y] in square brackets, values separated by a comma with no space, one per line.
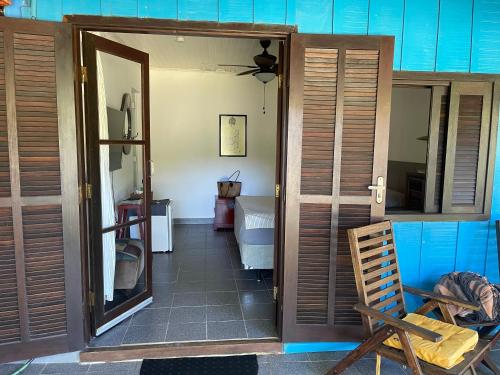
[409,121]
[123,76]
[185,108]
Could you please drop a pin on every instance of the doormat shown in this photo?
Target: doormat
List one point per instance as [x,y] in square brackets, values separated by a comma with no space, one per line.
[237,365]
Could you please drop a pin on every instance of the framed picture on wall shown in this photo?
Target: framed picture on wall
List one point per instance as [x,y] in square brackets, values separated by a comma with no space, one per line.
[233,135]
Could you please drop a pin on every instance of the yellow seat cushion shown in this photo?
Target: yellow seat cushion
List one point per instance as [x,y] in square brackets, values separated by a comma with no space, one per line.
[446,353]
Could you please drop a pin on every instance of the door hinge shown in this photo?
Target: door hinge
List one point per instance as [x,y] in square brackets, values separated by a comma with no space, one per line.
[280,79]
[277,190]
[83,74]
[86,191]
[275,293]
[91,299]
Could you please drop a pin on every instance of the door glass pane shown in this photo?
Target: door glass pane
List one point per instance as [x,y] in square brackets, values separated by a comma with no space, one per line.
[121,83]
[123,267]
[122,184]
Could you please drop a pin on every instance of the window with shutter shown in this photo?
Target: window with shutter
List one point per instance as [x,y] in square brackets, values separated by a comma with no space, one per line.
[447,169]
[41,287]
[338,124]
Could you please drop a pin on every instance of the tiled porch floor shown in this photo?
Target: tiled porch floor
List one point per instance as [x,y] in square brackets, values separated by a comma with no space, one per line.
[200,292]
[293,364]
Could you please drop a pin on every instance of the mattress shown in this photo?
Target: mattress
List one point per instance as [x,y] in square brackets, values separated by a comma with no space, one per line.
[258,211]
[254,231]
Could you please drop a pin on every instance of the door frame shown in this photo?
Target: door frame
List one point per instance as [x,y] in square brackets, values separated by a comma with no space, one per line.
[281,33]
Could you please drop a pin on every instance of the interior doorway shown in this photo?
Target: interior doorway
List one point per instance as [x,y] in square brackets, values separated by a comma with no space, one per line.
[191,263]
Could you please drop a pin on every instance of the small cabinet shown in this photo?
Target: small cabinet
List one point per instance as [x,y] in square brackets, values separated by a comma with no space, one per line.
[415,191]
[224,213]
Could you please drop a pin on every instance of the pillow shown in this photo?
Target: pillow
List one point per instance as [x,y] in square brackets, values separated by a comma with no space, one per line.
[446,353]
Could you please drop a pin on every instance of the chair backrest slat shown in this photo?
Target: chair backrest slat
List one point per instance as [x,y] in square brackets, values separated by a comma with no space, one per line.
[375,262]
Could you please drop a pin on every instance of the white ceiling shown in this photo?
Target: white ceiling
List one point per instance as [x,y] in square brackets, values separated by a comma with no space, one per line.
[194,53]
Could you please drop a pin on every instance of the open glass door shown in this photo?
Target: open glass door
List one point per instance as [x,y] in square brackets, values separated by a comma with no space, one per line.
[118,171]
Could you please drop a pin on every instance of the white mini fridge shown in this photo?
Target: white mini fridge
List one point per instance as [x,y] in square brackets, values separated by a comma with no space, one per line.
[162,227]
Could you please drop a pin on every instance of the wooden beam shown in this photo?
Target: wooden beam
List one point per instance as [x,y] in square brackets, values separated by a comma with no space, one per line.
[190,349]
[198,28]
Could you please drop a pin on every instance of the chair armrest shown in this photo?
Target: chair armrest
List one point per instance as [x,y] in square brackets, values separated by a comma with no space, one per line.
[398,323]
[441,298]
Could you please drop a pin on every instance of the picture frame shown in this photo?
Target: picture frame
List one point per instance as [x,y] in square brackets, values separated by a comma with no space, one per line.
[232,135]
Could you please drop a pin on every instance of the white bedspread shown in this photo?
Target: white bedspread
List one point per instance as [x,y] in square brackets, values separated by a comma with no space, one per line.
[258,211]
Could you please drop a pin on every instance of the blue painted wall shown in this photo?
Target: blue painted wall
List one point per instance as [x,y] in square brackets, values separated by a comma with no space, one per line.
[430,35]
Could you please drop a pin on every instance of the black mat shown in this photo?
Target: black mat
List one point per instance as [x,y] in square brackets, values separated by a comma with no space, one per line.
[240,365]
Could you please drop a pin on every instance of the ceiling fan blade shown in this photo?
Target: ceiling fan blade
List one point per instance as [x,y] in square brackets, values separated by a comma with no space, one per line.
[248,72]
[241,66]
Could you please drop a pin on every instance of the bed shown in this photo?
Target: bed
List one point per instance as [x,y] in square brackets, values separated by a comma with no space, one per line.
[254,231]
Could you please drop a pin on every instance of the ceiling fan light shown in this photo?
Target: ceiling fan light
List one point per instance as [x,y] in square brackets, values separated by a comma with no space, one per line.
[265,77]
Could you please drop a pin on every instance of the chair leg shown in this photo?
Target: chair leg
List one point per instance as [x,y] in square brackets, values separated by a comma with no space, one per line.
[411,356]
[378,364]
[488,362]
[366,347]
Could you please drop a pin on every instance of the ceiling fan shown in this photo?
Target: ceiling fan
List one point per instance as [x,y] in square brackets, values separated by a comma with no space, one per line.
[265,68]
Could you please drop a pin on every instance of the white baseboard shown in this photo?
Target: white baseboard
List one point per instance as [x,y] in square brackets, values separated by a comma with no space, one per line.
[208,220]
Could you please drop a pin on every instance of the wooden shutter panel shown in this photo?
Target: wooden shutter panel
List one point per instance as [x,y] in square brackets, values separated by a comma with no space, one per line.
[338,125]
[41,307]
[467,147]
[4,142]
[436,149]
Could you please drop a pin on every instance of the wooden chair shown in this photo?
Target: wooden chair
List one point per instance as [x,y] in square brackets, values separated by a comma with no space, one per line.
[382,307]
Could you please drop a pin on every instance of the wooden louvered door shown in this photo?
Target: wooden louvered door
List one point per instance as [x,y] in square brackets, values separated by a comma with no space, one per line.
[338,131]
[41,303]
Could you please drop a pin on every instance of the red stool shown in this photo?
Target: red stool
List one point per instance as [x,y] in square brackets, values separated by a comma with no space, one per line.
[123,214]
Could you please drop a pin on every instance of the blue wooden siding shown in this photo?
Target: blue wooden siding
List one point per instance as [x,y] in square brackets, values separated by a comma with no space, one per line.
[16,9]
[472,243]
[81,6]
[430,35]
[194,10]
[491,266]
[311,16]
[486,36]
[419,35]
[386,18]
[266,11]
[408,237]
[50,10]
[350,16]
[454,36]
[157,8]
[122,8]
[236,11]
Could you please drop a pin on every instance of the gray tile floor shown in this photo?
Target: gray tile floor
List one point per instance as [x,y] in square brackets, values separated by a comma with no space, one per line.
[293,364]
[200,292]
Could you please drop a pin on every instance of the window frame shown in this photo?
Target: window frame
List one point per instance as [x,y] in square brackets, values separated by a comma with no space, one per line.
[440,83]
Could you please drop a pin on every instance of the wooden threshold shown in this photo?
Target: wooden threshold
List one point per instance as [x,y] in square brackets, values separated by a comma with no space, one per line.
[186,349]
